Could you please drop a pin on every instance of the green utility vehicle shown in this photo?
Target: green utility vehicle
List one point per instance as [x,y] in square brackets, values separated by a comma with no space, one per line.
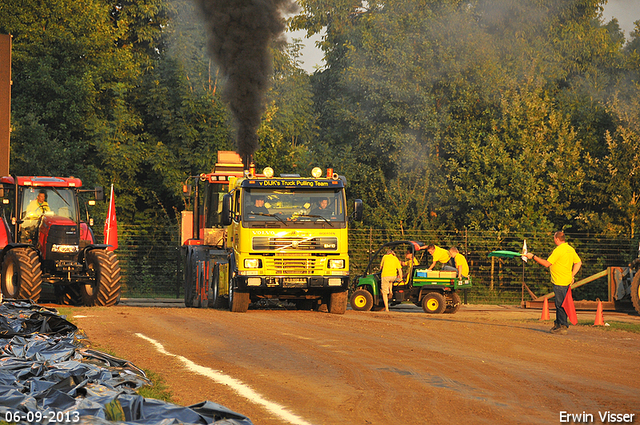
[435,291]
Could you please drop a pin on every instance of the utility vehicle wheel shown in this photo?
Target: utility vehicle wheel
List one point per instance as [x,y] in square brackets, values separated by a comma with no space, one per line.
[103,287]
[453,305]
[21,274]
[433,303]
[635,292]
[238,301]
[362,300]
[338,302]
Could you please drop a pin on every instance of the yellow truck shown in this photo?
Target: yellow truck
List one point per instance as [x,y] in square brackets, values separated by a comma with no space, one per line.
[265,237]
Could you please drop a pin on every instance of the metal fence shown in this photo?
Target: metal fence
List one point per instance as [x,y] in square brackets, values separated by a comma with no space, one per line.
[151,266]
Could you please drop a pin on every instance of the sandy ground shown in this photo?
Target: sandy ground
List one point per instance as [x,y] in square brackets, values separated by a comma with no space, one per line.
[484,364]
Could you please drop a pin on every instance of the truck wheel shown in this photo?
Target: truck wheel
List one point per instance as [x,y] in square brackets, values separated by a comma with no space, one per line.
[21,275]
[199,300]
[238,301]
[635,292]
[362,300]
[453,305]
[189,283]
[216,300]
[434,303]
[103,288]
[338,302]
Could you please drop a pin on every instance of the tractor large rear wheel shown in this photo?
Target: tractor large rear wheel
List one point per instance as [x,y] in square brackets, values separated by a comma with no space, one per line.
[103,288]
[21,274]
[635,292]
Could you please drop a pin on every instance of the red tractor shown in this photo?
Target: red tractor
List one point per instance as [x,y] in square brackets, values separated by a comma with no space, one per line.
[43,240]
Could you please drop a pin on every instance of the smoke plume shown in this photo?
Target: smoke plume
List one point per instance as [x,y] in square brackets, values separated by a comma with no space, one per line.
[239,35]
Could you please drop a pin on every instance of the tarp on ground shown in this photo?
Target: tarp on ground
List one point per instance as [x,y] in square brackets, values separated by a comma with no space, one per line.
[48,376]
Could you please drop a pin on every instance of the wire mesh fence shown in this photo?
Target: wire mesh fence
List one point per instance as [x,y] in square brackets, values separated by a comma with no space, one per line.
[500,280]
[150,260]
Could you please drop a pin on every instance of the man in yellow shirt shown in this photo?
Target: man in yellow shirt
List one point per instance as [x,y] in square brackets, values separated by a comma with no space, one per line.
[38,206]
[462,266]
[563,263]
[391,269]
[440,255]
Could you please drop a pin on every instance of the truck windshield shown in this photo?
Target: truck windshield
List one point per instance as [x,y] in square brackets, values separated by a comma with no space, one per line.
[293,205]
[37,202]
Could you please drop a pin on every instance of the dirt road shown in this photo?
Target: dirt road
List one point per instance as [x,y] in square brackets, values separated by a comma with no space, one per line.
[403,367]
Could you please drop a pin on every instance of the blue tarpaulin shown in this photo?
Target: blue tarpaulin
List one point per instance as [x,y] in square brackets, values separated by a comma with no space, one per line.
[47,376]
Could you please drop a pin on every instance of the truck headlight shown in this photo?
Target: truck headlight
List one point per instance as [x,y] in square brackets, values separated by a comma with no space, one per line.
[336,264]
[64,249]
[252,263]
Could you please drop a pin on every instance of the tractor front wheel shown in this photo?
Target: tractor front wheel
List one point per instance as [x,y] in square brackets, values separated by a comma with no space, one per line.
[69,294]
[635,292]
[103,287]
[434,303]
[362,300]
[21,275]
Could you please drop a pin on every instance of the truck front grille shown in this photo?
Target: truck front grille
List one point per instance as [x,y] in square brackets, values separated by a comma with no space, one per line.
[292,266]
[265,243]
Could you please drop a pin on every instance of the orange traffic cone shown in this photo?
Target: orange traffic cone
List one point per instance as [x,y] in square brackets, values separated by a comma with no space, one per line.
[599,318]
[545,310]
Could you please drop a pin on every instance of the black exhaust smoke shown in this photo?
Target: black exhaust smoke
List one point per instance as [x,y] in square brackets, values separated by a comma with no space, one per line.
[240,33]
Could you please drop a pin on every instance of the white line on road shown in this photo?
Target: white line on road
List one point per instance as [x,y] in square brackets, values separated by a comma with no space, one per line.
[238,386]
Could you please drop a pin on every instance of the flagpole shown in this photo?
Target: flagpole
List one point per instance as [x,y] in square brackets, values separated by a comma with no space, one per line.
[111,224]
[108,232]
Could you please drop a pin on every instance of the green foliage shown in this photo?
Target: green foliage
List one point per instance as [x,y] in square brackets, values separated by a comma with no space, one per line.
[503,115]
[503,107]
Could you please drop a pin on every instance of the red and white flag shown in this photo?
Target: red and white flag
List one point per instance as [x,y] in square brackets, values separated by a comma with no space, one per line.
[570,307]
[111,225]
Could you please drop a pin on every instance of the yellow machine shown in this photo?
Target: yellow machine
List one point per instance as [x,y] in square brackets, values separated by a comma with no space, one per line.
[268,237]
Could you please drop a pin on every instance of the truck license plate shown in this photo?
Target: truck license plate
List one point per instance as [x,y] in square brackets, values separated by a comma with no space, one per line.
[293,282]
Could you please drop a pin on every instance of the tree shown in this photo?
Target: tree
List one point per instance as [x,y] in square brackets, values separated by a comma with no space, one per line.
[503,105]
[74,68]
